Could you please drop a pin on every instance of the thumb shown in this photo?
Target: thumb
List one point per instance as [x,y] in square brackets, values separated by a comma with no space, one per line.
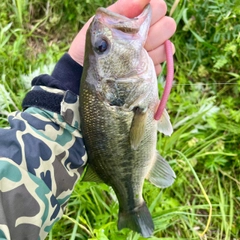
[129,8]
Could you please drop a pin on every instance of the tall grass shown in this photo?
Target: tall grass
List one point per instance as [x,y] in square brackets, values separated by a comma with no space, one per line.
[204,108]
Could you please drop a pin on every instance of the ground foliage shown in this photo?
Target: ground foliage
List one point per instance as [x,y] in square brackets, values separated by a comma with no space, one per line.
[204,149]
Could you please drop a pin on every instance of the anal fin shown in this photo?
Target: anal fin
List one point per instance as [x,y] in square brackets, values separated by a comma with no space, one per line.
[138,220]
[161,174]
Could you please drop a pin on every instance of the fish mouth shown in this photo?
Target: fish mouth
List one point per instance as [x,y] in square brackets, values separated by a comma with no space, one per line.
[108,33]
[122,23]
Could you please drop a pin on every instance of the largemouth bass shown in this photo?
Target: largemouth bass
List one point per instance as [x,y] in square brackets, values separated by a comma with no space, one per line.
[118,99]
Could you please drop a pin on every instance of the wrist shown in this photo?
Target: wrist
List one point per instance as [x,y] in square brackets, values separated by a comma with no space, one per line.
[68,73]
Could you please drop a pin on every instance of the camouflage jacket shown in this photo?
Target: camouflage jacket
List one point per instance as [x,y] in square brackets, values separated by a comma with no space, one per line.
[41,155]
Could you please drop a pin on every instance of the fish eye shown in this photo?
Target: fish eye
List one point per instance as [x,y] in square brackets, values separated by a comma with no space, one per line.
[101,45]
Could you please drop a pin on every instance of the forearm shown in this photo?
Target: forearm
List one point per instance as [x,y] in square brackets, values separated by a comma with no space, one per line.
[41,157]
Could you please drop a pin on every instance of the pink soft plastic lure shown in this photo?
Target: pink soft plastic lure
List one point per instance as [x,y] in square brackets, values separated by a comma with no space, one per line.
[169,80]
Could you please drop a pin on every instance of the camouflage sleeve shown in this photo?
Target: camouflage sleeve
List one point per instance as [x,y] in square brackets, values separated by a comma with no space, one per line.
[41,157]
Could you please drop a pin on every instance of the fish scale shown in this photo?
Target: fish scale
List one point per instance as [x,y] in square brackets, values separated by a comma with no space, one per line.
[108,130]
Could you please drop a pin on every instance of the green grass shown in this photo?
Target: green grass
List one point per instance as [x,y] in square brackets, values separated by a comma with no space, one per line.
[204,107]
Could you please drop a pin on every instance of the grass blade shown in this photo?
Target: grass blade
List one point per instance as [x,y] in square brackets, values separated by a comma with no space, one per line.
[203,191]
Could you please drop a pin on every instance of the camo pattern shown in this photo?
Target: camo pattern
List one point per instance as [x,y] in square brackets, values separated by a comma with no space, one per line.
[41,158]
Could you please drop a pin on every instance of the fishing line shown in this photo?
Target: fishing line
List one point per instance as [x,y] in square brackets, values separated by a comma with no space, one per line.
[204,84]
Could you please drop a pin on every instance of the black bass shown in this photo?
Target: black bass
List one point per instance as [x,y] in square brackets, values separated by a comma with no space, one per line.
[118,99]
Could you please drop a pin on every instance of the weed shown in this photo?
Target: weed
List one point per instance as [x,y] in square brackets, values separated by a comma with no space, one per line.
[204,106]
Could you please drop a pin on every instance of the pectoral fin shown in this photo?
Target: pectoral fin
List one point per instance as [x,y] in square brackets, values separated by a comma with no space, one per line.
[138,127]
[164,124]
[89,175]
[161,173]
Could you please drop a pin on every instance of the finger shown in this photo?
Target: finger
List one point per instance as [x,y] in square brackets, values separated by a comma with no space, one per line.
[167,26]
[132,8]
[159,10]
[158,55]
[129,8]
[158,69]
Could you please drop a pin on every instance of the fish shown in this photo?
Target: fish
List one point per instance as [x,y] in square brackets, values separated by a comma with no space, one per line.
[118,99]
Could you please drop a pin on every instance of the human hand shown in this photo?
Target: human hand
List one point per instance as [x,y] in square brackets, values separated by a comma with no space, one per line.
[161,29]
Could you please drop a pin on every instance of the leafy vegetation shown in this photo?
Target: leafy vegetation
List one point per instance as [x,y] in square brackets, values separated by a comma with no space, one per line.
[204,149]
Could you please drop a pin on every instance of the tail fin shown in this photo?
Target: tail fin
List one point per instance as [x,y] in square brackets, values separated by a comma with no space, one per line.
[139,220]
